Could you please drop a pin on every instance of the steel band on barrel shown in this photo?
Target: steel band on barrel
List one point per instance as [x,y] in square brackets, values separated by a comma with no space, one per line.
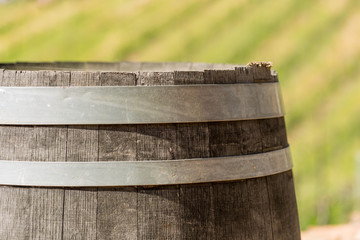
[143,173]
[138,104]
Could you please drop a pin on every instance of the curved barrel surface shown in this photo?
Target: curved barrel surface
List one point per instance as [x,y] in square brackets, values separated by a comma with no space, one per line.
[261,206]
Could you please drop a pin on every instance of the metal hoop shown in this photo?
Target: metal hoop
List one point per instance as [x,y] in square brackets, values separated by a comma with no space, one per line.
[138,105]
[132,173]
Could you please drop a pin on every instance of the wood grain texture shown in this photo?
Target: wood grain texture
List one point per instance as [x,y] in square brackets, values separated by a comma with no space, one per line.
[80,205]
[261,74]
[283,208]
[117,207]
[158,207]
[220,77]
[196,200]
[242,206]
[47,204]
[188,77]
[32,213]
[284,215]
[244,74]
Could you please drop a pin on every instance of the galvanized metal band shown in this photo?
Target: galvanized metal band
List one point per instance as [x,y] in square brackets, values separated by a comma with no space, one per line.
[138,104]
[143,173]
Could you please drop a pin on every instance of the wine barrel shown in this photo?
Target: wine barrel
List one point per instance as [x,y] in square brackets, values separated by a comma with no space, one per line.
[144,151]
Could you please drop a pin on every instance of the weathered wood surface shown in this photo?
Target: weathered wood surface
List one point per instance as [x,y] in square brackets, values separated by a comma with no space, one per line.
[117,208]
[32,213]
[80,206]
[261,208]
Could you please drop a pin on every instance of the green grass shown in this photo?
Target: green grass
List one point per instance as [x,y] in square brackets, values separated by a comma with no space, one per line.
[312,44]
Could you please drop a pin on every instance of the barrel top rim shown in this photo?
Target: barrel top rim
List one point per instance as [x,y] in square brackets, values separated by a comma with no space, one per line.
[121,66]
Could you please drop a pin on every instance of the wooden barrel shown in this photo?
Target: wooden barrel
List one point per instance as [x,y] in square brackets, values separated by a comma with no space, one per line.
[261,207]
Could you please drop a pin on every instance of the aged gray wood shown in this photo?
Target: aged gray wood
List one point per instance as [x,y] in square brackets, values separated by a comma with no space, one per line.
[14,202]
[229,199]
[188,77]
[244,204]
[32,213]
[196,200]
[117,207]
[257,205]
[232,201]
[80,205]
[220,77]
[284,215]
[244,74]
[237,203]
[261,71]
[158,207]
[47,204]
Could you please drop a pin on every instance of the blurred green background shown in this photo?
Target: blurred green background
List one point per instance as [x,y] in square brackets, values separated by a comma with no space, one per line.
[314,46]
